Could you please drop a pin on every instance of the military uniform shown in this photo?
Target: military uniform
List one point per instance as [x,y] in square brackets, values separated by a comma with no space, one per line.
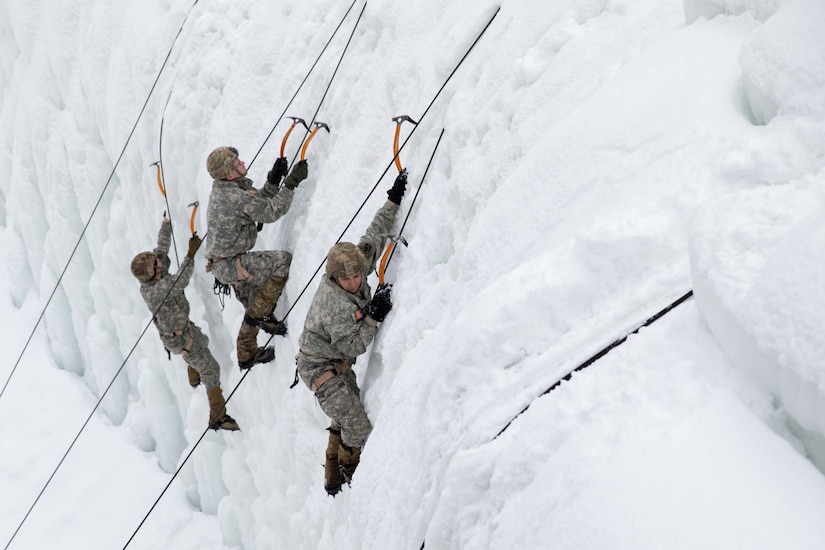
[335,333]
[178,334]
[165,297]
[258,278]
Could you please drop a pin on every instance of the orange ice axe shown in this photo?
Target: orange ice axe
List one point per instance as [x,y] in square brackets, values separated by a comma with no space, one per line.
[385,258]
[318,126]
[398,121]
[160,179]
[295,120]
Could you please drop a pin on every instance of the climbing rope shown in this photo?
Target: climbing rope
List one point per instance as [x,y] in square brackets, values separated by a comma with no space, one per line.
[97,405]
[415,197]
[278,120]
[235,389]
[393,160]
[162,176]
[97,204]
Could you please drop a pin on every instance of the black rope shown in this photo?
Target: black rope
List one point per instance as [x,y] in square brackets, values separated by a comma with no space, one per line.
[183,462]
[392,161]
[97,204]
[246,373]
[97,405]
[278,120]
[417,191]
[604,351]
[163,178]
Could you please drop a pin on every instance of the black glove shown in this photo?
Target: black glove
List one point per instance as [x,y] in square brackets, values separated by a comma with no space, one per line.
[381,303]
[298,174]
[279,170]
[397,192]
[194,245]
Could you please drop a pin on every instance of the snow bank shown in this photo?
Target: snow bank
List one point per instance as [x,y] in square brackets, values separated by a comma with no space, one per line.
[758,255]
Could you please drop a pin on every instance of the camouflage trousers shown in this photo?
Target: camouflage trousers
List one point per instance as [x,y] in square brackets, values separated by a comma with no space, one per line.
[199,356]
[340,399]
[261,265]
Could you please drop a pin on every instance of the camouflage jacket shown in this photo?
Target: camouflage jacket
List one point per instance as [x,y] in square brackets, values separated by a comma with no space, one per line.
[174,311]
[235,208]
[331,330]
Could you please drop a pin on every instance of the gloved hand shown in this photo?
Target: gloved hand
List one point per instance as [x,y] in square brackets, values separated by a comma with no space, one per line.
[298,174]
[194,245]
[279,170]
[381,303]
[396,193]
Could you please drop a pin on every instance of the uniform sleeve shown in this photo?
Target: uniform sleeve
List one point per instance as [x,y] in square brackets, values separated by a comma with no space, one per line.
[348,336]
[269,190]
[268,209]
[184,273]
[165,237]
[373,241]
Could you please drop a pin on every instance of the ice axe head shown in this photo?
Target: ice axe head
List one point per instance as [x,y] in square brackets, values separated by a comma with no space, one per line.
[403,118]
[296,120]
[319,125]
[397,239]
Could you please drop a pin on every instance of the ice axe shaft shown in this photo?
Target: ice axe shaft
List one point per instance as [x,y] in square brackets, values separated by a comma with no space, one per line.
[318,126]
[192,217]
[385,258]
[160,179]
[398,121]
[295,120]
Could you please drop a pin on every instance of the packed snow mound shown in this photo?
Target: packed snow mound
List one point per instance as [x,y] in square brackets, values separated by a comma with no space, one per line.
[757,283]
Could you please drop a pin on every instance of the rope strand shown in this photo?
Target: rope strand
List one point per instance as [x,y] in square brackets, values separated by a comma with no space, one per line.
[97,204]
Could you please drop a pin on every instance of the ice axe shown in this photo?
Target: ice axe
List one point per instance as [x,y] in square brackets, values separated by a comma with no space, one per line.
[398,121]
[295,120]
[318,126]
[192,217]
[160,179]
[385,258]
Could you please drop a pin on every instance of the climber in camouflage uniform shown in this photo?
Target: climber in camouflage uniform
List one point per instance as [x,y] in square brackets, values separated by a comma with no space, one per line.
[258,278]
[341,323]
[164,296]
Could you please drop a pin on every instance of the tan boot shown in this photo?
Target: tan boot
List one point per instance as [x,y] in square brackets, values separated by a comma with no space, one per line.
[348,458]
[332,472]
[259,312]
[247,344]
[194,376]
[218,419]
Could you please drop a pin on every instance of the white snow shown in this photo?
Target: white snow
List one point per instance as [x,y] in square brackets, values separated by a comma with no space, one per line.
[600,159]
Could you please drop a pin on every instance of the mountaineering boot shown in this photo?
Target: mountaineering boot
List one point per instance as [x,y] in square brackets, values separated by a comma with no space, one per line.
[332,473]
[264,302]
[261,307]
[348,458]
[194,376]
[262,355]
[218,419]
[269,324]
